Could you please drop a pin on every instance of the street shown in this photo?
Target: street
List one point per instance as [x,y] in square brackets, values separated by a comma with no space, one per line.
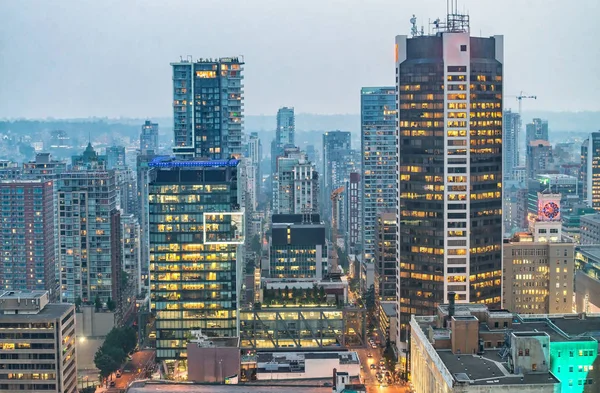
[132,370]
[368,375]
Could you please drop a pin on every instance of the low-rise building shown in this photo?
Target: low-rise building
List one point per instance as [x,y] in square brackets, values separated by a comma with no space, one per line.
[37,344]
[467,348]
[214,359]
[305,365]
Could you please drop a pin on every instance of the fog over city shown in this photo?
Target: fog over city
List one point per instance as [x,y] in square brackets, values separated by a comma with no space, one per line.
[70,58]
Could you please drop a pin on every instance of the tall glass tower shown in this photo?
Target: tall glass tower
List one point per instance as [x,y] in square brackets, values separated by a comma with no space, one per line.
[450,168]
[208,108]
[196,229]
[378,145]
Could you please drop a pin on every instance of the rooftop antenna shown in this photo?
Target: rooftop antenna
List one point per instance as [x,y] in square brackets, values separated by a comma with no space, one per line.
[414,30]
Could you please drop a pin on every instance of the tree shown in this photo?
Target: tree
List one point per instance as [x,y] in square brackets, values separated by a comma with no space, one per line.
[78,303]
[111,304]
[106,364]
[97,303]
[315,293]
[255,243]
[322,295]
[287,292]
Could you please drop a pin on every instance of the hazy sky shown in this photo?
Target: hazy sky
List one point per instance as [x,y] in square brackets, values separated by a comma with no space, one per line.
[79,58]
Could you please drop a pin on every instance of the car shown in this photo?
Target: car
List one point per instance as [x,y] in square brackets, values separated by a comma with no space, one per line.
[383,385]
[382,362]
[369,355]
[112,384]
[372,367]
[118,374]
[328,384]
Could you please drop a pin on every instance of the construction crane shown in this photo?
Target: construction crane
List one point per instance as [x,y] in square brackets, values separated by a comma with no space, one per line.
[520,97]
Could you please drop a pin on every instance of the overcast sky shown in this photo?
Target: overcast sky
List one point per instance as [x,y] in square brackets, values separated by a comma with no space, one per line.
[79,58]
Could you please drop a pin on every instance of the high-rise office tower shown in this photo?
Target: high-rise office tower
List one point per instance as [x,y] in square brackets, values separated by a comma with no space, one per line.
[115,157]
[208,108]
[510,142]
[286,127]
[385,256]
[87,232]
[143,179]
[378,146]
[132,264]
[450,168]
[196,228]
[285,136]
[296,186]
[336,154]
[254,155]
[354,213]
[149,138]
[27,236]
[590,170]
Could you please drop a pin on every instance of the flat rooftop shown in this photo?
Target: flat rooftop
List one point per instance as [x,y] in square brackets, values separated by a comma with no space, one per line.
[141,387]
[22,294]
[50,311]
[488,369]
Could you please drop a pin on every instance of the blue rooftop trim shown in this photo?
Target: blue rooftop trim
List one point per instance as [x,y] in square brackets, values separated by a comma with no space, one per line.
[171,162]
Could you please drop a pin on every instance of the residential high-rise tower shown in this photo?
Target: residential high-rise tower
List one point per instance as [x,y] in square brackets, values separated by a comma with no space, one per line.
[149,138]
[208,108]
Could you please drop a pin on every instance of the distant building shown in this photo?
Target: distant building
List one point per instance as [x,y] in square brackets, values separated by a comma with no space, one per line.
[28,236]
[590,170]
[9,170]
[587,279]
[567,186]
[296,186]
[336,153]
[132,264]
[536,130]
[539,158]
[285,136]
[254,175]
[44,167]
[37,343]
[88,159]
[208,108]
[115,157]
[510,134]
[149,138]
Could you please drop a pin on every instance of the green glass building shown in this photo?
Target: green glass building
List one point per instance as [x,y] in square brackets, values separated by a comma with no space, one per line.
[195,233]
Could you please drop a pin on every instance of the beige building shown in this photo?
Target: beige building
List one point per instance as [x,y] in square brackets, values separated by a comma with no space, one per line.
[538,266]
[537,277]
[37,344]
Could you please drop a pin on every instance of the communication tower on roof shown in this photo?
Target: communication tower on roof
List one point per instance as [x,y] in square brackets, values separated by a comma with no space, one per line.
[456,22]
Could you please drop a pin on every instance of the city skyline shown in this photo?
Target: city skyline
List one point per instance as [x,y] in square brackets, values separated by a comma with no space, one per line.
[59,36]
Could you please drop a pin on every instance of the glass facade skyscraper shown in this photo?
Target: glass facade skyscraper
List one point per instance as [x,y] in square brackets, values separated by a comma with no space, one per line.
[450,169]
[196,228]
[378,146]
[207,108]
